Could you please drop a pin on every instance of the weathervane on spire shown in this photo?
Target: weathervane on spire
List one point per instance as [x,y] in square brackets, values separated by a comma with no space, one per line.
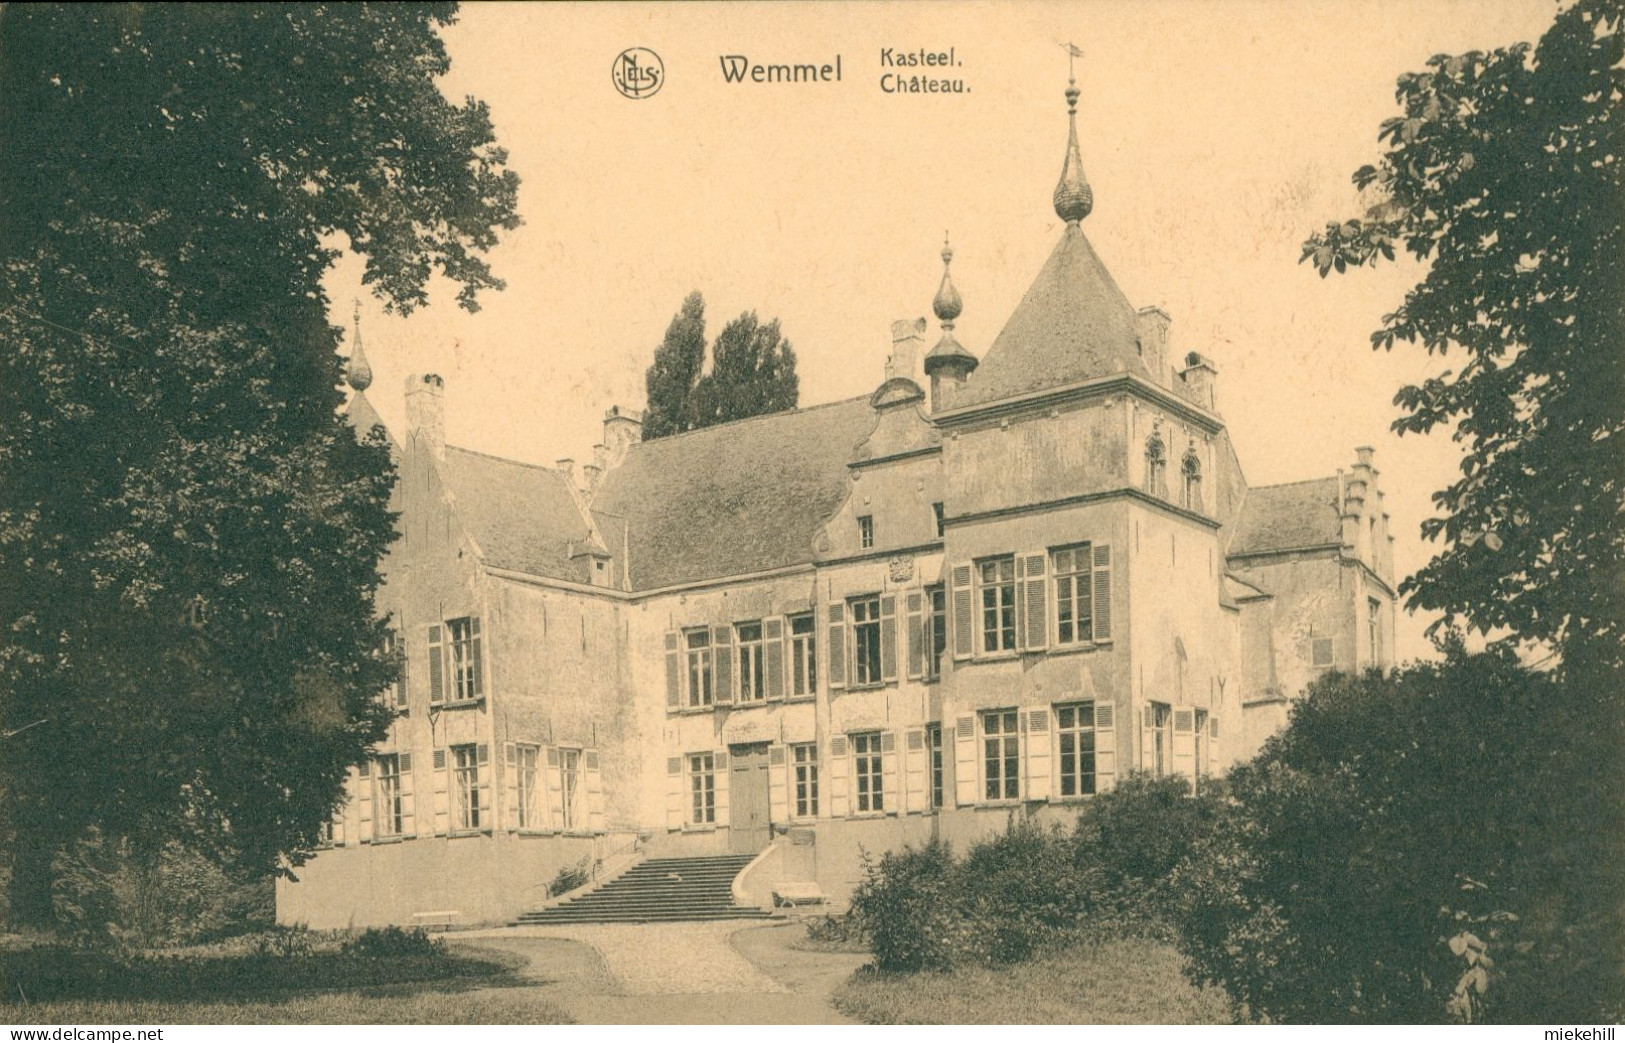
[1073,197]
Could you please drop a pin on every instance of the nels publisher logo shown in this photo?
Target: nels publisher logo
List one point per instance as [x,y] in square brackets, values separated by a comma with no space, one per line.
[638,72]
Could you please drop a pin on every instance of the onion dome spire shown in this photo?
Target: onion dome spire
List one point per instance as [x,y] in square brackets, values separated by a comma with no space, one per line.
[947,304]
[357,373]
[1073,196]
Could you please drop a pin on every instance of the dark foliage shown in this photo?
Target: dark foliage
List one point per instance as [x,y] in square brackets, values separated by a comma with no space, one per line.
[675,370]
[189,533]
[1439,844]
[1505,172]
[753,372]
[570,877]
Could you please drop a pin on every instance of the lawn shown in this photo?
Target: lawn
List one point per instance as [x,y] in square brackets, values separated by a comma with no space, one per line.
[1127,982]
[394,1006]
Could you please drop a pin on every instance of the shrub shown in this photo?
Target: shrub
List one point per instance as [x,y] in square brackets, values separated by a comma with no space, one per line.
[1437,844]
[570,877]
[907,905]
[393,943]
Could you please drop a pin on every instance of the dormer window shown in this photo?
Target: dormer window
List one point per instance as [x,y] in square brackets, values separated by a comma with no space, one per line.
[1156,466]
[1190,469]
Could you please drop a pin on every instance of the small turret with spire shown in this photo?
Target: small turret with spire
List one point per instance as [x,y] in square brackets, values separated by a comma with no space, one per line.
[947,364]
[357,373]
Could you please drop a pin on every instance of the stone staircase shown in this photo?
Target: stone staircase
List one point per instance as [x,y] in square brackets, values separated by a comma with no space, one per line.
[658,890]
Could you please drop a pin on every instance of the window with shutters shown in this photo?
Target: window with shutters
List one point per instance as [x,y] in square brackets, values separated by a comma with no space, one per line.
[1160,719]
[1190,471]
[526,782]
[465,658]
[1156,466]
[868,773]
[1075,736]
[1203,751]
[389,811]
[698,644]
[394,694]
[996,580]
[752,678]
[866,532]
[1001,756]
[702,789]
[1074,616]
[933,746]
[570,811]
[803,655]
[465,782]
[866,640]
[936,630]
[940,518]
[804,758]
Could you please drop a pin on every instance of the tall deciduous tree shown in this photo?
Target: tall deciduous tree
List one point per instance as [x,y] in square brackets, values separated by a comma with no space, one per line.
[1504,174]
[675,370]
[189,533]
[753,372]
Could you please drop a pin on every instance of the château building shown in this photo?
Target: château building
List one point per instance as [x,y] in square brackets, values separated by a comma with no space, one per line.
[1005,578]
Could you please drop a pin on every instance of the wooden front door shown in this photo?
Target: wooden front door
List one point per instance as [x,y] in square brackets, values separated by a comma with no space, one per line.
[748,812]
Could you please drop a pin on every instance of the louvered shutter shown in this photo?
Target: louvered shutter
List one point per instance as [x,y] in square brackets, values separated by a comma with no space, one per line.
[474,644]
[835,677]
[442,794]
[674,793]
[1105,747]
[1103,592]
[720,774]
[1148,739]
[773,657]
[362,781]
[595,790]
[916,636]
[965,760]
[722,658]
[915,797]
[964,613]
[891,793]
[888,638]
[674,671]
[437,666]
[1034,617]
[840,777]
[510,785]
[338,822]
[1038,753]
[482,757]
[778,784]
[555,789]
[1184,760]
[409,799]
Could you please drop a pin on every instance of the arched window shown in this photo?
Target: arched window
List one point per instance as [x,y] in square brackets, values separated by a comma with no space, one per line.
[1156,466]
[1190,469]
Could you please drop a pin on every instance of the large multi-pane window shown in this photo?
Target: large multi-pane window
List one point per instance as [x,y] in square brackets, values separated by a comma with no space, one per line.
[1072,591]
[698,643]
[803,655]
[997,579]
[933,748]
[866,639]
[465,659]
[752,686]
[805,761]
[394,696]
[1001,755]
[570,788]
[389,812]
[702,788]
[1203,752]
[936,630]
[1075,731]
[525,780]
[868,772]
[1161,737]
[466,784]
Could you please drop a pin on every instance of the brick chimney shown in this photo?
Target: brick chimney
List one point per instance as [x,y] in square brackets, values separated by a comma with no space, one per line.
[426,413]
[907,340]
[1199,377]
[1153,328]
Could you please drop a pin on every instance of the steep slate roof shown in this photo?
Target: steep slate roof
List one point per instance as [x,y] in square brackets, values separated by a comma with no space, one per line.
[1288,517]
[735,498]
[363,418]
[523,517]
[1073,324]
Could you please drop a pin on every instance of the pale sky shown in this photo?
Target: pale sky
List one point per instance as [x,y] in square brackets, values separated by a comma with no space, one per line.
[1216,136]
